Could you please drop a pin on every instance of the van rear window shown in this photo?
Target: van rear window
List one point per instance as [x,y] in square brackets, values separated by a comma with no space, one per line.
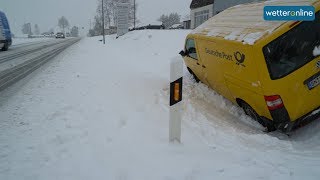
[293,49]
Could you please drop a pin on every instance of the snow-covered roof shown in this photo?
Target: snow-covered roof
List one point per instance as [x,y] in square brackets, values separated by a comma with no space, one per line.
[200,3]
[245,22]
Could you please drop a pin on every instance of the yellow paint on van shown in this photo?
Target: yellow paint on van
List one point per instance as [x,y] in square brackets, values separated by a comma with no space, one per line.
[230,60]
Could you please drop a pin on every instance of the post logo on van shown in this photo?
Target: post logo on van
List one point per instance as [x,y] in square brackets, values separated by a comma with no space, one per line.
[240,58]
[318,64]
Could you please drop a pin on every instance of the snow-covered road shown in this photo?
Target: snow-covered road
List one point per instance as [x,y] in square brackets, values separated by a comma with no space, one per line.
[101,112]
[24,41]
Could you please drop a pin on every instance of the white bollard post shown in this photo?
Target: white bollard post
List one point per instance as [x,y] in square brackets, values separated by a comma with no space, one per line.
[176,73]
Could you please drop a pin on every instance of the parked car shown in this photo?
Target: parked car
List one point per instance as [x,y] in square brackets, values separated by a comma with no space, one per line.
[60,35]
[5,33]
[149,26]
[274,75]
[176,26]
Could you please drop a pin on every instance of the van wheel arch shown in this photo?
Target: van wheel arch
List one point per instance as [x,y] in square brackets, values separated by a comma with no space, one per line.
[194,76]
[239,102]
[254,115]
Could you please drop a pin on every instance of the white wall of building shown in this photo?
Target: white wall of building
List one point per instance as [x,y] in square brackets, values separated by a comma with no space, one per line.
[210,8]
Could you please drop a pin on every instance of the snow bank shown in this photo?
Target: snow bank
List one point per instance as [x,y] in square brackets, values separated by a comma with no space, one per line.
[101,112]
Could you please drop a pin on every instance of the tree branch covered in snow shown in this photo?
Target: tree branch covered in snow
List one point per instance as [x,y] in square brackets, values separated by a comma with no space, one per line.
[169,20]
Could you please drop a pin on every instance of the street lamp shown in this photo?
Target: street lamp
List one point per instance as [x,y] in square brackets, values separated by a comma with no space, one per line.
[134,14]
[103,33]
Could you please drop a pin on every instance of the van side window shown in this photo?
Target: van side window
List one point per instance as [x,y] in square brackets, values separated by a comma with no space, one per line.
[191,49]
[293,49]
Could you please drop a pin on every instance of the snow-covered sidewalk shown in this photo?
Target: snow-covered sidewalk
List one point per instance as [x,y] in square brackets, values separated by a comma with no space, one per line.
[101,112]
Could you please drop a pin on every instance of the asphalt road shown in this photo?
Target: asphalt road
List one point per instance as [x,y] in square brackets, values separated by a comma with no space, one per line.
[21,60]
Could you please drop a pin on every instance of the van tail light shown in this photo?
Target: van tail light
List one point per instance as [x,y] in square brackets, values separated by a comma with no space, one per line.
[273,102]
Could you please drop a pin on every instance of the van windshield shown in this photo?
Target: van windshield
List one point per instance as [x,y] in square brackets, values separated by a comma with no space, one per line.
[293,49]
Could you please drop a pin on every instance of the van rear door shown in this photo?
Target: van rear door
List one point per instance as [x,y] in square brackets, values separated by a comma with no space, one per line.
[293,62]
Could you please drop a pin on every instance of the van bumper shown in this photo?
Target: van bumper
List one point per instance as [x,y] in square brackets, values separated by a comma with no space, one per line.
[311,116]
[281,119]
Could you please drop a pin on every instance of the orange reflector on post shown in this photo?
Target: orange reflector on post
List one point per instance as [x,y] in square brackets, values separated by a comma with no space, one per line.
[176,91]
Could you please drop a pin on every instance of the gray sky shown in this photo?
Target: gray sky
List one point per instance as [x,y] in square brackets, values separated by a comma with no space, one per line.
[45,13]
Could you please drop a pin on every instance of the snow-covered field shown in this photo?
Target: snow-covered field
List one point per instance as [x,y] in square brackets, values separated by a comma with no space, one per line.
[101,112]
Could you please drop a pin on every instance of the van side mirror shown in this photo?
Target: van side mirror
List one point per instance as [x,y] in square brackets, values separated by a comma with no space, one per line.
[182,53]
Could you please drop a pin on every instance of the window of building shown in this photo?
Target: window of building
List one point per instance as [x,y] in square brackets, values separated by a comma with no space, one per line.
[200,17]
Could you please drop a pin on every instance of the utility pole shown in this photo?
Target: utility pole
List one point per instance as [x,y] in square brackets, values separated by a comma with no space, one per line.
[134,14]
[103,33]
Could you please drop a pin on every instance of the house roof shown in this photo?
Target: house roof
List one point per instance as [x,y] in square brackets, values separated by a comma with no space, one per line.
[245,23]
[200,3]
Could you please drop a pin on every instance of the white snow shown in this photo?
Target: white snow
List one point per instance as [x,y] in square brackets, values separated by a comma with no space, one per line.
[315,112]
[101,112]
[316,51]
[252,38]
[233,36]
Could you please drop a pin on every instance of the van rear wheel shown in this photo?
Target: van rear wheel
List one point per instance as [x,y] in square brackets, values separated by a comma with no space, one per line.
[255,116]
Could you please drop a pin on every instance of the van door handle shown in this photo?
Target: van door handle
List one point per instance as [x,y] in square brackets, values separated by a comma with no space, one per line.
[203,66]
[198,64]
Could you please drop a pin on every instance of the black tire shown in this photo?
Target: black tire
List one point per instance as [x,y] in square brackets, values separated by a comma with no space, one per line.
[255,116]
[194,76]
[5,47]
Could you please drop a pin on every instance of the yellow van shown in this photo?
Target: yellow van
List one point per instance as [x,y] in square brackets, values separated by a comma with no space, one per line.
[269,68]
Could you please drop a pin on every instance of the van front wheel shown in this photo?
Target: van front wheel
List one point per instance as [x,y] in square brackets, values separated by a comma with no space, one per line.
[255,116]
[194,76]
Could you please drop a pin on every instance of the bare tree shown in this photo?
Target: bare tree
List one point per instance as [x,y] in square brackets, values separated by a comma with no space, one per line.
[97,28]
[169,20]
[63,23]
[107,11]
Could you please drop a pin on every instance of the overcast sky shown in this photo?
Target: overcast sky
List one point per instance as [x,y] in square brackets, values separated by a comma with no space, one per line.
[45,13]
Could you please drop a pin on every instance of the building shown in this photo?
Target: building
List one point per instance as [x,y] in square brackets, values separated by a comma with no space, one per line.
[202,10]
[220,5]
[187,24]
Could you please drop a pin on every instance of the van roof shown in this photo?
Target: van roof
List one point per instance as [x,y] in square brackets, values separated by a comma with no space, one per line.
[245,23]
